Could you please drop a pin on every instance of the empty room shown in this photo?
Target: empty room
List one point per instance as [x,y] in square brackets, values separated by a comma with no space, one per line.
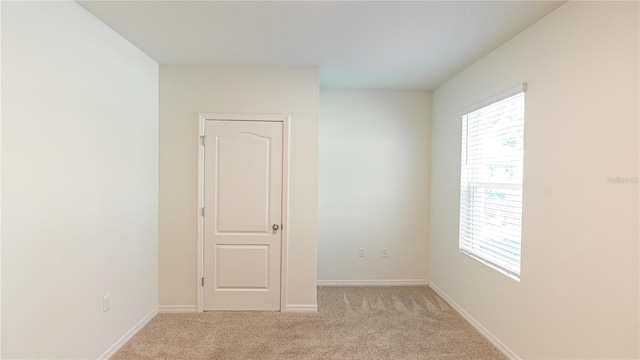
[320,180]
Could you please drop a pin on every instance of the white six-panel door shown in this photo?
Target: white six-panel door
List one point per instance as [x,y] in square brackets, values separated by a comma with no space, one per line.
[243,215]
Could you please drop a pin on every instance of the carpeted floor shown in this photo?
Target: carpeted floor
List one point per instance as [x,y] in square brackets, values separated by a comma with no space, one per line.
[352,323]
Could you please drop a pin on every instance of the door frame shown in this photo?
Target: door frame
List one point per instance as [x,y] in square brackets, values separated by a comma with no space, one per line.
[285,120]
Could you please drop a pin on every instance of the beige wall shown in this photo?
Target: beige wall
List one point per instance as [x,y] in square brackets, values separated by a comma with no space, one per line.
[578,294]
[79,183]
[184,92]
[373,185]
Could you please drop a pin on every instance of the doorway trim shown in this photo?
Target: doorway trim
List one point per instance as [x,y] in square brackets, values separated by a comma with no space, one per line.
[285,120]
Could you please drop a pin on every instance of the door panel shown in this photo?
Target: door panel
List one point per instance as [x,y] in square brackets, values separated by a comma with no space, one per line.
[242,267]
[243,192]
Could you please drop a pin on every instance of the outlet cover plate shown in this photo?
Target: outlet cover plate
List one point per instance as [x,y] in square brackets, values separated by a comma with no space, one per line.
[106,303]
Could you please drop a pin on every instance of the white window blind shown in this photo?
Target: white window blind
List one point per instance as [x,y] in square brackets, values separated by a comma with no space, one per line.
[491,183]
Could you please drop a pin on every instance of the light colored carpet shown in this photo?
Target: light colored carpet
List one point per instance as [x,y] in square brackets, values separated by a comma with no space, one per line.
[353,323]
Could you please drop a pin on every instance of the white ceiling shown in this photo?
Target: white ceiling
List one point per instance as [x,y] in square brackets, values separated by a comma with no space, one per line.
[380,44]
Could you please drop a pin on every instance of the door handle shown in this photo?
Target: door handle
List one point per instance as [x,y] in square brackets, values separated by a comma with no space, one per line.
[275,227]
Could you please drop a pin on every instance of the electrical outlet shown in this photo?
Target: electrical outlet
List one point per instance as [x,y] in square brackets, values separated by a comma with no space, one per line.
[106,303]
[385,252]
[361,252]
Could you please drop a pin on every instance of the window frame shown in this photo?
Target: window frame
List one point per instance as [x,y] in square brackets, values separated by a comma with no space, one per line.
[466,238]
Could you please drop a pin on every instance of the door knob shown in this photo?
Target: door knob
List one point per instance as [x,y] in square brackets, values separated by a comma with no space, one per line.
[275,227]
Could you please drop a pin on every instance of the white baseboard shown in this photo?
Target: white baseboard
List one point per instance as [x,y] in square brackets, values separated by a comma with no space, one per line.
[177,309]
[412,282]
[481,329]
[128,335]
[301,308]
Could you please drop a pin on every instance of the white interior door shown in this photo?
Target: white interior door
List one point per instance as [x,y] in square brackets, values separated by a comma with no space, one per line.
[242,215]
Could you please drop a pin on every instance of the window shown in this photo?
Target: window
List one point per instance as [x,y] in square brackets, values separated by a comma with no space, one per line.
[491,182]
